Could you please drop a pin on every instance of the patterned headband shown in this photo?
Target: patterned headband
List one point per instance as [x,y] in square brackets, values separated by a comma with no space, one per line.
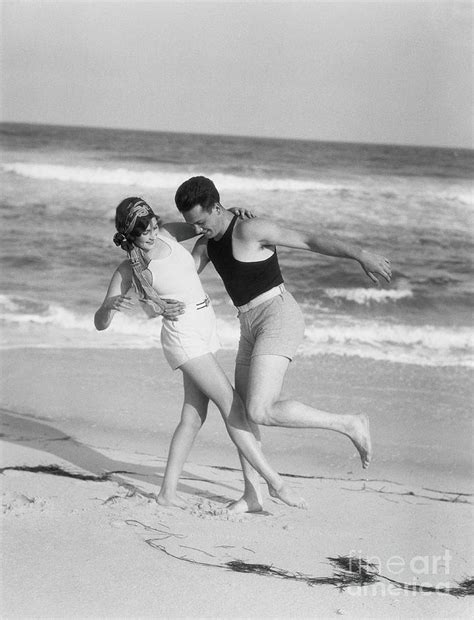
[138,209]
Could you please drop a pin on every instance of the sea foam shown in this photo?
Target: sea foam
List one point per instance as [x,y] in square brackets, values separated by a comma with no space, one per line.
[425,345]
[365,296]
[163,179]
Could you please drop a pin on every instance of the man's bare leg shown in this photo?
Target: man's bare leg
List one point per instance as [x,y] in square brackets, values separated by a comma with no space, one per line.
[263,404]
[211,380]
[252,499]
[260,386]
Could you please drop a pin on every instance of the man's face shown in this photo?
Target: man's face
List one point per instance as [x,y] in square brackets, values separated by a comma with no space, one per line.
[207,223]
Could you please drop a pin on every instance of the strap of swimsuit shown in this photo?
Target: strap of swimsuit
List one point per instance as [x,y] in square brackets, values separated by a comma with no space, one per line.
[232,224]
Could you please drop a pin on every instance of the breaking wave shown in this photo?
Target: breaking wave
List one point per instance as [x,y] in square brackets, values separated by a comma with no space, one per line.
[30,323]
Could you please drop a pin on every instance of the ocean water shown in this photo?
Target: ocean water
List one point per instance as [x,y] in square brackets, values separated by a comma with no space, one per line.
[60,186]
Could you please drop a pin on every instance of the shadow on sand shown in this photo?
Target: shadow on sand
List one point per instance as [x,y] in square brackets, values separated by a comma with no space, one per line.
[39,435]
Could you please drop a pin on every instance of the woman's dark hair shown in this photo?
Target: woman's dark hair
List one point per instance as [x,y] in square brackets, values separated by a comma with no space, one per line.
[130,226]
[196,191]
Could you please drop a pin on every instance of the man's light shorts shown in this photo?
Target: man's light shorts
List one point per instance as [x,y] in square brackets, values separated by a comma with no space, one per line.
[192,335]
[275,327]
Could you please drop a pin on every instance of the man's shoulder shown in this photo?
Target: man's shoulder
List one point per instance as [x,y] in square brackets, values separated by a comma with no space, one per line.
[252,229]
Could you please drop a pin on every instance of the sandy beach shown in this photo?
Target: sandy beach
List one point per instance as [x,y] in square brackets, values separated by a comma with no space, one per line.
[84,446]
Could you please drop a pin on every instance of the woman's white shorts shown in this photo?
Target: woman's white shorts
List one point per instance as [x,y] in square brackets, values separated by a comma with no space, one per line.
[192,335]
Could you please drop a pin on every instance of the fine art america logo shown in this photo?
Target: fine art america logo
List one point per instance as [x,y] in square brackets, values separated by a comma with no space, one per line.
[418,574]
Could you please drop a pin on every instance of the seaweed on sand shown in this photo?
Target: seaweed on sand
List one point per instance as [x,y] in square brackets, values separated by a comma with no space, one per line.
[348,571]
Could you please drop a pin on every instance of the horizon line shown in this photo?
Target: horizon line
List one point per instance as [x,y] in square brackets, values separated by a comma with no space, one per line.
[243,136]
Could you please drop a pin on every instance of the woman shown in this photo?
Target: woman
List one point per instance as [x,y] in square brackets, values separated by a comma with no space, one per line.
[158,267]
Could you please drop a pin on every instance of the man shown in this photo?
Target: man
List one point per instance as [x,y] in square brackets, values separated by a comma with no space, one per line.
[271,322]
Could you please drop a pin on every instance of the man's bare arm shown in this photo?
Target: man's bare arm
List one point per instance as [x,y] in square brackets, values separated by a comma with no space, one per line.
[201,259]
[268,233]
[182,231]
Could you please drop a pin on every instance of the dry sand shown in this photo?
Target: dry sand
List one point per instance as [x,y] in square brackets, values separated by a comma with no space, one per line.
[97,544]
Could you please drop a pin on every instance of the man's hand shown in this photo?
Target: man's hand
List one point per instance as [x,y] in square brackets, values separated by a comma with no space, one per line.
[244,214]
[172,309]
[375,264]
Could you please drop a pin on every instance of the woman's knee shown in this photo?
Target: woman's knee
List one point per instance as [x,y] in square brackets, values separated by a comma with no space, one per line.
[193,422]
[226,399]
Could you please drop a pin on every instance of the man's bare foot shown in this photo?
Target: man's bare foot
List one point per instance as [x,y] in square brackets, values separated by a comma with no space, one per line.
[359,434]
[243,505]
[249,502]
[288,496]
[171,501]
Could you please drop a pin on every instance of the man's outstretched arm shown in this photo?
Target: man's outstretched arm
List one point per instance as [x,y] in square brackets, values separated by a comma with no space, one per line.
[268,233]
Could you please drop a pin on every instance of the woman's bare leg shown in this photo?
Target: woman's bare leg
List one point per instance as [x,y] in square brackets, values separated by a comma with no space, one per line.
[212,381]
[193,416]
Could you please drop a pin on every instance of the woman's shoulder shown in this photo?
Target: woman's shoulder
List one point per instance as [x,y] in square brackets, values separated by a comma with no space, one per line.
[121,278]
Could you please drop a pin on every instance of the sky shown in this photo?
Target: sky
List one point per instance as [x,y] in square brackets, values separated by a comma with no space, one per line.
[377,72]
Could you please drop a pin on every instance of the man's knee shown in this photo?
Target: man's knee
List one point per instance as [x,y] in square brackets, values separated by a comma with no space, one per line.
[259,412]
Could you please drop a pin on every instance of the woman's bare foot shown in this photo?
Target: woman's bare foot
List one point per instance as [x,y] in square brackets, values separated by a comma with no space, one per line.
[288,496]
[171,500]
[359,434]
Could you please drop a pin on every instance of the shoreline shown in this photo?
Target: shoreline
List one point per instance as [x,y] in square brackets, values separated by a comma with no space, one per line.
[419,415]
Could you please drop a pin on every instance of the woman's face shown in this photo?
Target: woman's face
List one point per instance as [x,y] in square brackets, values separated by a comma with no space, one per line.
[146,240]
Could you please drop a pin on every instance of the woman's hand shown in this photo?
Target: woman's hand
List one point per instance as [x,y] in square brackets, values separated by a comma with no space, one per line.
[244,214]
[110,305]
[118,302]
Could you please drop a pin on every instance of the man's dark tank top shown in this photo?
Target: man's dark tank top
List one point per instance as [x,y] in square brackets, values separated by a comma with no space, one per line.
[243,281]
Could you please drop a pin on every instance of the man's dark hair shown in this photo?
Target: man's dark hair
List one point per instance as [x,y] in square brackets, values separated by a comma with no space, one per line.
[196,191]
